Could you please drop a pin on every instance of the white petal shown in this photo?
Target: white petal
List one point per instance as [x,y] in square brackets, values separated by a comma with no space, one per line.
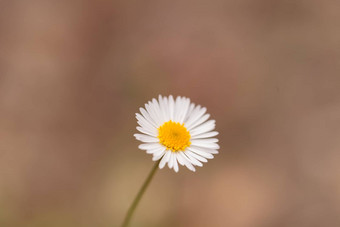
[199,121]
[166,109]
[149,146]
[165,159]
[162,108]
[207,150]
[205,135]
[177,109]
[175,163]
[203,128]
[159,150]
[193,160]
[155,151]
[152,131]
[209,140]
[171,107]
[198,157]
[205,145]
[171,160]
[180,158]
[157,156]
[184,109]
[145,131]
[188,115]
[146,138]
[201,152]
[144,120]
[212,151]
[149,151]
[157,109]
[151,110]
[144,123]
[192,116]
[196,114]
[186,161]
[147,116]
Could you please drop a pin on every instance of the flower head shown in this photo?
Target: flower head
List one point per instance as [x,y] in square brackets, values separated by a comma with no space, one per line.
[176,131]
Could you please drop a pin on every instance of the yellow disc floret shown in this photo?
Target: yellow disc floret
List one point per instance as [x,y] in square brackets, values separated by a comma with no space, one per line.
[174,136]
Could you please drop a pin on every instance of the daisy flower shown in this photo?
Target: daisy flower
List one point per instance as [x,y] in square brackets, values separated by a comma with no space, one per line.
[176,131]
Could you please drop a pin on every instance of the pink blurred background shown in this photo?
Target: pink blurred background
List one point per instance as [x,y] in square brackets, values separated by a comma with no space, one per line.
[73,74]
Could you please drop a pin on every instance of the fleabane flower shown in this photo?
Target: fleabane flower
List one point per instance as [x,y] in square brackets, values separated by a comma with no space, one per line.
[176,131]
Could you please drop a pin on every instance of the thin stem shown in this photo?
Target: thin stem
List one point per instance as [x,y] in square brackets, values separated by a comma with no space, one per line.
[139,195]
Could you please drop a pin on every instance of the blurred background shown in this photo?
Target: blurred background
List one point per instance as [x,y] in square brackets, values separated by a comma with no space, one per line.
[74,73]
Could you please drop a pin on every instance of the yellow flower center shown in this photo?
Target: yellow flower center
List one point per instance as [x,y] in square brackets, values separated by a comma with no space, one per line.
[174,136]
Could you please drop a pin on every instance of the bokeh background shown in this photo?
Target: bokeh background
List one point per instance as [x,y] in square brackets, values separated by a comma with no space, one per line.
[74,73]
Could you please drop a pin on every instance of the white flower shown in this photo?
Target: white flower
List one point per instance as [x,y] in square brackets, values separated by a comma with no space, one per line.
[176,131]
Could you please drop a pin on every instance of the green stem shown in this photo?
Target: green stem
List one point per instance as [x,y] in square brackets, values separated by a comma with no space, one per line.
[139,195]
